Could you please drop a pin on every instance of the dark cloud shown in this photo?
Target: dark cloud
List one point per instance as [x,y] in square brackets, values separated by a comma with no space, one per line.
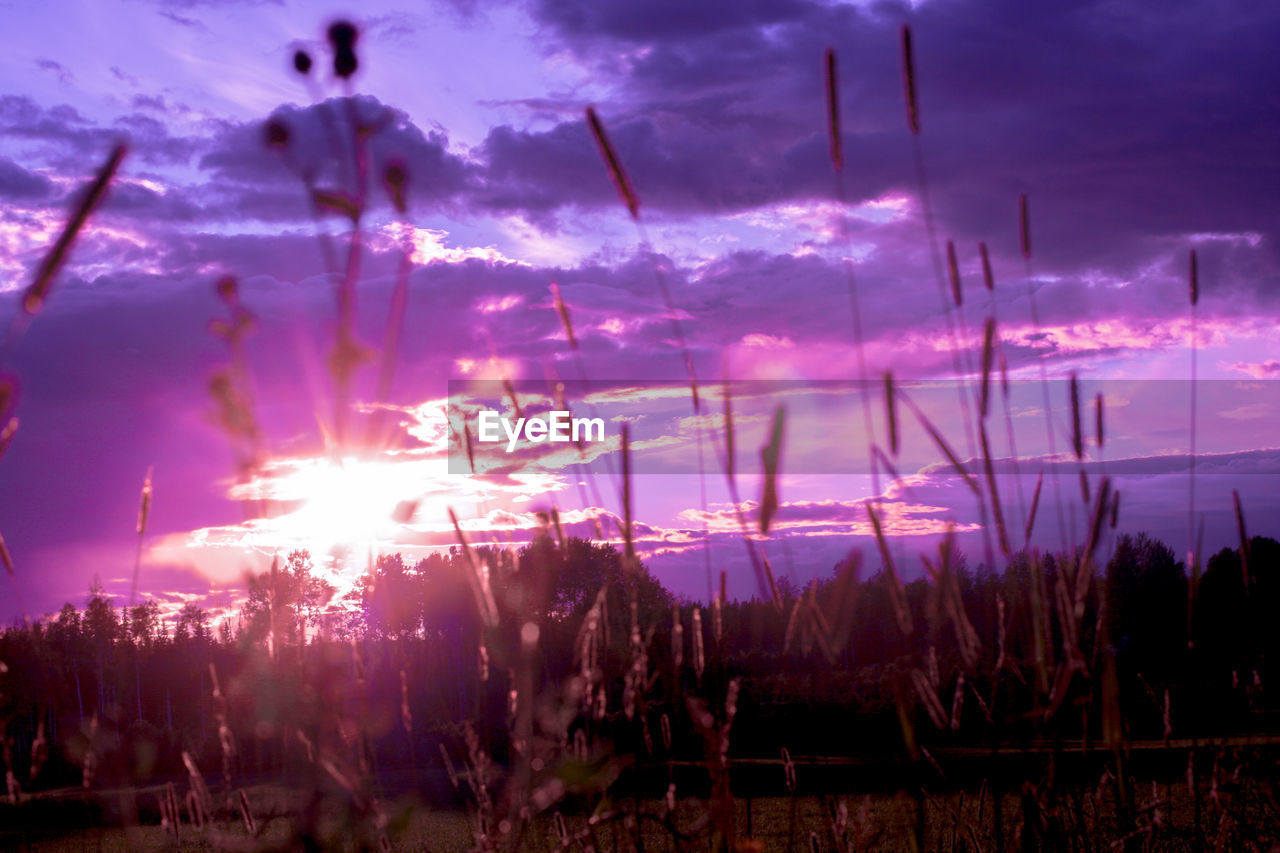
[69,142]
[1127,130]
[16,183]
[664,20]
[320,144]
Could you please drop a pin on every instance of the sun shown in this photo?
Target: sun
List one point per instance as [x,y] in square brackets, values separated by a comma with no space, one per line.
[343,510]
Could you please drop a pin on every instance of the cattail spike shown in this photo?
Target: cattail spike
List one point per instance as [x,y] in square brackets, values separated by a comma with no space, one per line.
[626,498]
[1024,226]
[614,164]
[563,310]
[770,455]
[833,112]
[1077,435]
[891,412]
[1194,276]
[144,504]
[909,81]
[953,270]
[988,278]
[1098,421]
[1035,505]
[988,354]
[33,298]
[6,557]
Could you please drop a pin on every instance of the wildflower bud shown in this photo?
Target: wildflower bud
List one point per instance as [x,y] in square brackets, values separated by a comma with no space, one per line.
[396,178]
[342,37]
[277,134]
[227,289]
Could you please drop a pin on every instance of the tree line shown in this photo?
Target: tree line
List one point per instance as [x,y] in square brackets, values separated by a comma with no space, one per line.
[109,686]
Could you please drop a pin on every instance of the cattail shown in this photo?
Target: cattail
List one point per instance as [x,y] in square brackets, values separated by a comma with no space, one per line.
[1115,508]
[1077,436]
[144,504]
[483,661]
[953,272]
[1098,425]
[614,164]
[909,81]
[563,310]
[630,555]
[891,412]
[302,62]
[988,352]
[988,279]
[7,434]
[5,556]
[1035,505]
[833,112]
[699,649]
[1194,277]
[34,297]
[1024,226]
[510,390]
[466,438]
[770,455]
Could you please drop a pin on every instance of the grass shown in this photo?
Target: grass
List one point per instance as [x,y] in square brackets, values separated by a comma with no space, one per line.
[872,822]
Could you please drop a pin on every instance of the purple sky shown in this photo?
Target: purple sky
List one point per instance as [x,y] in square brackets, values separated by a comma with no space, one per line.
[1137,136]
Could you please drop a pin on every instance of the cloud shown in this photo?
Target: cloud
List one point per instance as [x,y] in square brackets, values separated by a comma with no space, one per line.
[17,184]
[57,68]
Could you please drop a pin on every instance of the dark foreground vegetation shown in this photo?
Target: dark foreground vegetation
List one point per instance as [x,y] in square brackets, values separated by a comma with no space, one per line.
[556,710]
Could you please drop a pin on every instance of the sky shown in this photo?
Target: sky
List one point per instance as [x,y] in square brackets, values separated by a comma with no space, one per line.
[1136,135]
